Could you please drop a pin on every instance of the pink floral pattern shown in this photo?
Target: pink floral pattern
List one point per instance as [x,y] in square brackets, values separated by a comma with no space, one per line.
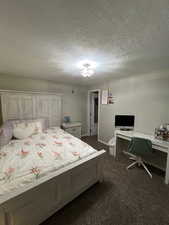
[58,143]
[41,145]
[35,171]
[76,153]
[56,154]
[24,153]
[9,172]
[40,154]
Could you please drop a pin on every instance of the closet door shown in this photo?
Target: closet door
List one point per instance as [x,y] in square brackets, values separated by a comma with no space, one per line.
[26,107]
[49,106]
[16,106]
[55,111]
[42,109]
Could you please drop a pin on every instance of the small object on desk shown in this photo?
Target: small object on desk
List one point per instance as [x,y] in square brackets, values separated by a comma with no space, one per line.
[127,129]
[162,132]
[73,128]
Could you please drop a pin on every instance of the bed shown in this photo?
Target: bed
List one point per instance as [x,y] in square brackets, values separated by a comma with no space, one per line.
[40,174]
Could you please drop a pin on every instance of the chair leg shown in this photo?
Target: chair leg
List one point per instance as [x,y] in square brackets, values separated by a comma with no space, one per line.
[132,158]
[131,165]
[138,160]
[146,169]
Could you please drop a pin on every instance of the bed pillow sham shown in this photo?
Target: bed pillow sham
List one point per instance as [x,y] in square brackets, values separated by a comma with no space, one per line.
[6,130]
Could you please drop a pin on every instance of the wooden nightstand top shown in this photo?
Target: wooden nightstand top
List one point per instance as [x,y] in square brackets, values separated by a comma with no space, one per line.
[71,124]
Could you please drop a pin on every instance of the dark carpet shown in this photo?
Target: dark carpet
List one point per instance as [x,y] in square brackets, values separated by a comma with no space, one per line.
[124,198]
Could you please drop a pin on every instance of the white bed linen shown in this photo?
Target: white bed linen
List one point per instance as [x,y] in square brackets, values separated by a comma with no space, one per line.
[25,161]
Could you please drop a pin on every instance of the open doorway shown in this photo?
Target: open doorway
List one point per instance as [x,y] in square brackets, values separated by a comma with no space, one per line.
[93,112]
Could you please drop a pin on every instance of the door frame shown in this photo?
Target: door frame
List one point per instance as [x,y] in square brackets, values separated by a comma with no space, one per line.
[88,111]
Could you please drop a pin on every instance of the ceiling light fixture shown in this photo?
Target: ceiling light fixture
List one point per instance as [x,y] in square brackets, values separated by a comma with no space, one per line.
[87,68]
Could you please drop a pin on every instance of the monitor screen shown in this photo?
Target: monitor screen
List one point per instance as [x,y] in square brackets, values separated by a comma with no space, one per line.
[124,120]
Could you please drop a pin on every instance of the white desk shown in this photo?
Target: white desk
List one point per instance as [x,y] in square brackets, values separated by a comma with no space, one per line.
[159,145]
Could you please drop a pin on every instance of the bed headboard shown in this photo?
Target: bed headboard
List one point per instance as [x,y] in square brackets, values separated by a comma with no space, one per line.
[31,105]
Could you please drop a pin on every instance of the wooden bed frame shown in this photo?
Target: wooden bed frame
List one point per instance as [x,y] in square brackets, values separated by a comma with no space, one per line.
[34,203]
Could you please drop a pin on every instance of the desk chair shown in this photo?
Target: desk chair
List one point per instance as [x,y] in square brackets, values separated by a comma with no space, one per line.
[138,148]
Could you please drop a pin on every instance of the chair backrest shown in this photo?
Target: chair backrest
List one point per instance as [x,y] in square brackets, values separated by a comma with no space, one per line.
[140,146]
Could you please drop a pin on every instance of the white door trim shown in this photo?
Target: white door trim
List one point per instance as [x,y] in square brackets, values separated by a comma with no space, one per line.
[88,111]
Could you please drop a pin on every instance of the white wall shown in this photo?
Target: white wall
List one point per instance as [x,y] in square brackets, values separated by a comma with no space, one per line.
[145,96]
[73,103]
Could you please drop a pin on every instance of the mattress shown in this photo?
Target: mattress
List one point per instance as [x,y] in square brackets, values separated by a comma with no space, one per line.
[25,161]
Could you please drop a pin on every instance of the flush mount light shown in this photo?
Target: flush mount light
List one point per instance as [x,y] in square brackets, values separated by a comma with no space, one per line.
[87,68]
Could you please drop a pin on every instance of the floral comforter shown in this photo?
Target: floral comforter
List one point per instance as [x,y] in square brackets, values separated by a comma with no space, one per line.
[24,161]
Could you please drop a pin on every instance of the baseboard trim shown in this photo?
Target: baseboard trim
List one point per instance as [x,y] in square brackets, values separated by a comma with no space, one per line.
[103,142]
[85,135]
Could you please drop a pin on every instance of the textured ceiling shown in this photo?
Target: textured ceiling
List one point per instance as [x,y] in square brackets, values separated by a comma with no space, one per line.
[47,38]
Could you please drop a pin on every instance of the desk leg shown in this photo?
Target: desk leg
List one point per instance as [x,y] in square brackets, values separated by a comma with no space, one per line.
[115,147]
[167,170]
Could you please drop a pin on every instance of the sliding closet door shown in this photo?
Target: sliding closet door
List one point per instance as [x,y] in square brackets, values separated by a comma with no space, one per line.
[49,107]
[16,106]
[27,106]
[42,106]
[55,111]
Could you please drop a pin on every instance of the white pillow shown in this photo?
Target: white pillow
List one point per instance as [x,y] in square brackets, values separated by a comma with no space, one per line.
[26,129]
[38,127]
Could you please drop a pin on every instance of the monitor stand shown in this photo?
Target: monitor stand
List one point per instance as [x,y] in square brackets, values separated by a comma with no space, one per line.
[126,129]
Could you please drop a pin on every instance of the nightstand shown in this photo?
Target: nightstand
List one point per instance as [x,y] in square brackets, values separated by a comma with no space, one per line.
[73,128]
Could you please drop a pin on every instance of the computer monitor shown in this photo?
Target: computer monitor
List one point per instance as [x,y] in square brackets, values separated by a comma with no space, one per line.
[124,122]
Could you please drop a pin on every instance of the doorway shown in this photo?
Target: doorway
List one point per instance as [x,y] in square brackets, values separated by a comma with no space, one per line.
[93,112]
